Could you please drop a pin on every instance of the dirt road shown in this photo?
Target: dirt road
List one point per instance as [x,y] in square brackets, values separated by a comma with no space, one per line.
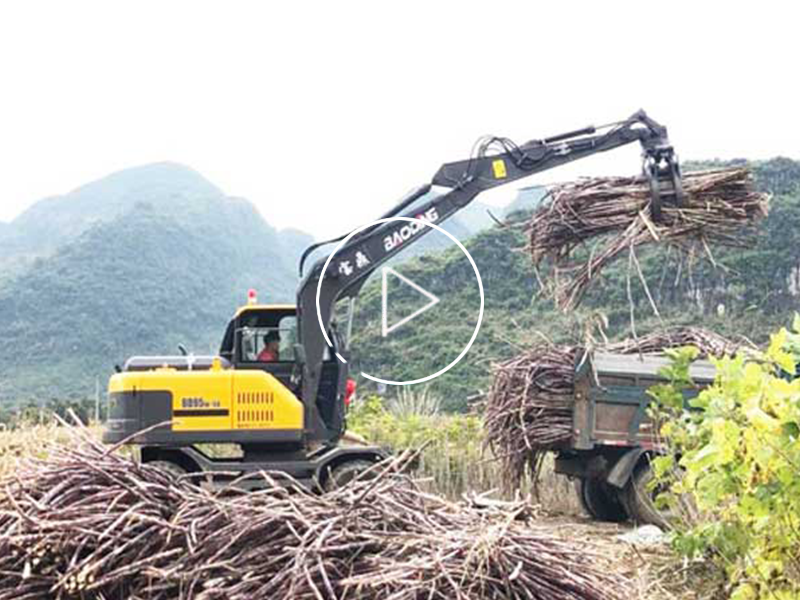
[652,568]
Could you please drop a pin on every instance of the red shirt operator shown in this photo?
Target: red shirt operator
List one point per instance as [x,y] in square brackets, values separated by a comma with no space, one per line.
[269,353]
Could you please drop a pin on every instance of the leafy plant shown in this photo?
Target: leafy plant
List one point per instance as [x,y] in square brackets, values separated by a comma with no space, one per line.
[409,402]
[735,452]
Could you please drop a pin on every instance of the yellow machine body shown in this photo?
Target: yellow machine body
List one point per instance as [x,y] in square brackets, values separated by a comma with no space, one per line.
[217,399]
[209,399]
[171,407]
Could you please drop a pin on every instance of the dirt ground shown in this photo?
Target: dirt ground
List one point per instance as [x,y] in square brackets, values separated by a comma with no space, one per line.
[653,570]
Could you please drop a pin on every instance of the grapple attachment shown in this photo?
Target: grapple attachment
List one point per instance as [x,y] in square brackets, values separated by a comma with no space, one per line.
[664,174]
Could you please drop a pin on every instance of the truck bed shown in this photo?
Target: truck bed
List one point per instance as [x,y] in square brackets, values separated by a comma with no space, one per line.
[611,398]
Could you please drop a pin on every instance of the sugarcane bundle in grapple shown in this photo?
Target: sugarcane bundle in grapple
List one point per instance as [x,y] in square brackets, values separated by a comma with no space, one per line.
[91,524]
[586,225]
[587,404]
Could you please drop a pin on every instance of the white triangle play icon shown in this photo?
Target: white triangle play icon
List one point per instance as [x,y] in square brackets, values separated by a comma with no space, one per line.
[385,329]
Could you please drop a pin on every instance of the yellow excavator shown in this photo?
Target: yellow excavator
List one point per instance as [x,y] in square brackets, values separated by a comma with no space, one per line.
[279,386]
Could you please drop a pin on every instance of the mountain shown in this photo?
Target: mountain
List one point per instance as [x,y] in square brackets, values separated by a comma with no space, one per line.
[132,263]
[472,219]
[526,200]
[52,221]
[170,188]
[7,265]
[293,243]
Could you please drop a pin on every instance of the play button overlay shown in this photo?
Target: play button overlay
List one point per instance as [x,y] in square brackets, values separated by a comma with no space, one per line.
[386,329]
[347,266]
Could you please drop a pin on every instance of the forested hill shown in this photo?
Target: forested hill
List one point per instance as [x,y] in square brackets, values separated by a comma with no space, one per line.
[751,293]
[52,221]
[130,264]
[170,189]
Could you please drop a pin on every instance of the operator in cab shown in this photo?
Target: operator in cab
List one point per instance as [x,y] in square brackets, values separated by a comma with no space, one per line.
[269,353]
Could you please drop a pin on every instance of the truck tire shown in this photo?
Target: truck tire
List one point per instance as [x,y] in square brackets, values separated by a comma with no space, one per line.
[601,501]
[639,499]
[344,473]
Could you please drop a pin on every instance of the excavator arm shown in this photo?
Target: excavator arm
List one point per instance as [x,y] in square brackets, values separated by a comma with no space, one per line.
[498,161]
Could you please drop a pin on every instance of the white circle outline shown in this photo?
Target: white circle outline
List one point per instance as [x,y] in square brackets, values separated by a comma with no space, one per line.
[471,261]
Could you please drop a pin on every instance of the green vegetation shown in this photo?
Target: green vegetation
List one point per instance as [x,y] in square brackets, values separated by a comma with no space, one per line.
[451,453]
[34,413]
[453,458]
[735,467]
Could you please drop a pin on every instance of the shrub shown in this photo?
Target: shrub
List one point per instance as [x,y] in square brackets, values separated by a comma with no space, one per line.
[735,453]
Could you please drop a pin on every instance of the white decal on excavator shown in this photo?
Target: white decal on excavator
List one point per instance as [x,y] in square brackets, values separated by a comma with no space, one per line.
[361,260]
[345,268]
[409,230]
[199,403]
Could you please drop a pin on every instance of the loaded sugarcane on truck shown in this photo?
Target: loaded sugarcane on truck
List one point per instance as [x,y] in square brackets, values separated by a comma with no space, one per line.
[288,415]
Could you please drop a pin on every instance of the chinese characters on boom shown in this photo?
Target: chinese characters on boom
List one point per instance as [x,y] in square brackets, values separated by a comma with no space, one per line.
[349,266]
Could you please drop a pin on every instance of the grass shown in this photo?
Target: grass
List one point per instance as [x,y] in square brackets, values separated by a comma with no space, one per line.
[27,442]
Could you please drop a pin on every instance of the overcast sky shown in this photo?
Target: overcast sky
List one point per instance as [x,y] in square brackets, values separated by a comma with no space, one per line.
[324,113]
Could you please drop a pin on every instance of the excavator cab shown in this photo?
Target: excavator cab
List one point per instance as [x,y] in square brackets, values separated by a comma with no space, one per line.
[249,396]
[263,337]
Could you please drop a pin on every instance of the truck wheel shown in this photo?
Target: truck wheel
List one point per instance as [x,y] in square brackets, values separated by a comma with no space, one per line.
[346,472]
[579,491]
[639,499]
[601,501]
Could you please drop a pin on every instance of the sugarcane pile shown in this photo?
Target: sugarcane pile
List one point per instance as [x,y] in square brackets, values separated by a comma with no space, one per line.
[87,523]
[529,407]
[720,208]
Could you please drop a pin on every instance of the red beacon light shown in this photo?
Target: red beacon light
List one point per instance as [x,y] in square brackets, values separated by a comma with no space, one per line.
[251,296]
[350,392]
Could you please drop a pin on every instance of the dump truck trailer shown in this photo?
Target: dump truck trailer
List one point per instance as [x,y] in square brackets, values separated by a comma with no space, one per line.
[613,437]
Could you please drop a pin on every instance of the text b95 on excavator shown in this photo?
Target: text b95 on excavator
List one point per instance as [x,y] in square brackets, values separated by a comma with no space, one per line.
[287,413]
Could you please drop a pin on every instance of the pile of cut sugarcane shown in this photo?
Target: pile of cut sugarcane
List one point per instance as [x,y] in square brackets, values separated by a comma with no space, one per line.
[608,216]
[86,523]
[529,408]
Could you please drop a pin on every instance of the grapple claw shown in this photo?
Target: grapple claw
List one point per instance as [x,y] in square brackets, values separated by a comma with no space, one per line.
[663,171]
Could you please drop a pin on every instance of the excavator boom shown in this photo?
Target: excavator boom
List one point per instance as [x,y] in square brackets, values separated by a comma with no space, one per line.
[498,161]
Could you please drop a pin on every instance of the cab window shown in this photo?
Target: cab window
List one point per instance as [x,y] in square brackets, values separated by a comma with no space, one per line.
[267,337]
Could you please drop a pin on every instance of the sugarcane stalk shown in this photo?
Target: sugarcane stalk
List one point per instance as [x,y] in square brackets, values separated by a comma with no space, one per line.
[614,215]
